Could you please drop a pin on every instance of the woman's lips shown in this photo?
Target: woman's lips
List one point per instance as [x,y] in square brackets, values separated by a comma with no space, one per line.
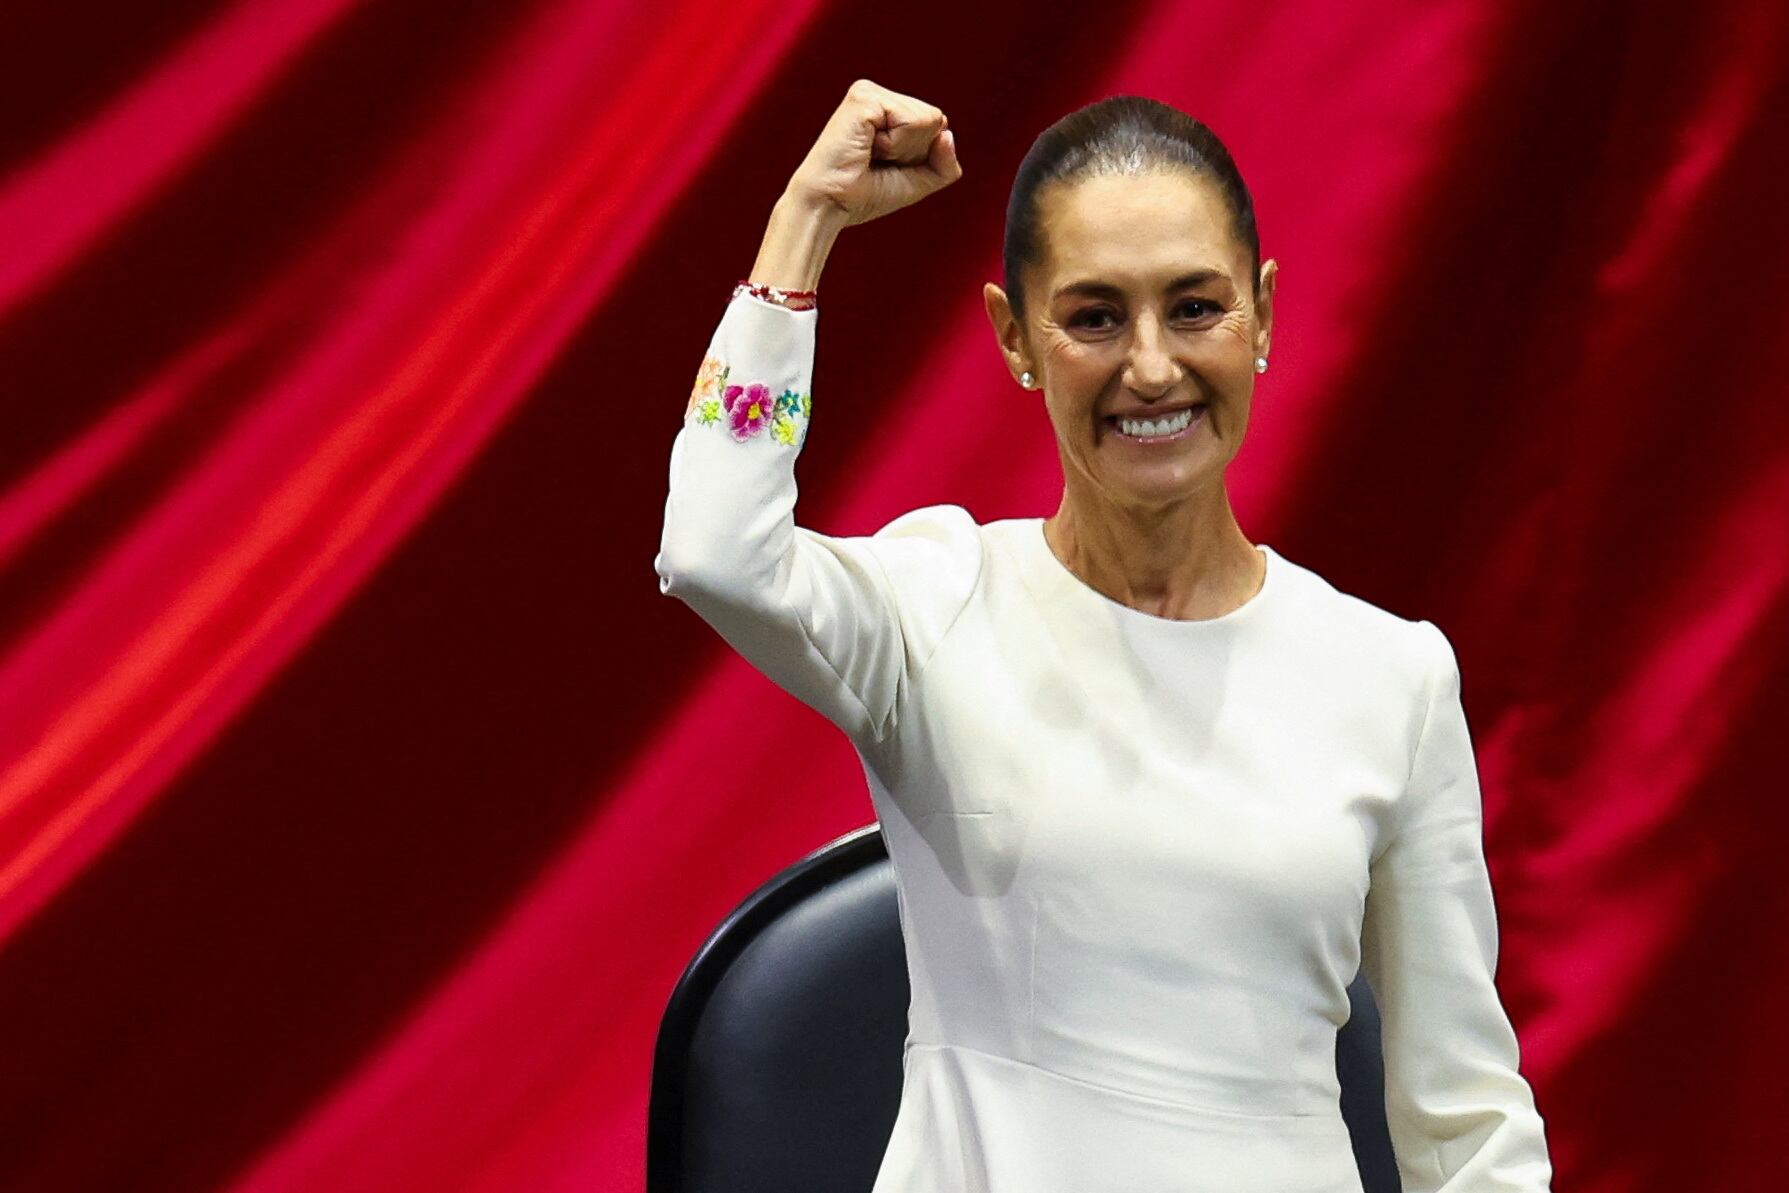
[1142,441]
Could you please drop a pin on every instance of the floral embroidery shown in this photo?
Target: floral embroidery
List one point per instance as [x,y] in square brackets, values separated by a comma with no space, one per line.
[789,407]
[709,380]
[747,409]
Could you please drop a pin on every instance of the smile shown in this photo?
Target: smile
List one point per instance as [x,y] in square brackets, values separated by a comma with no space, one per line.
[1161,430]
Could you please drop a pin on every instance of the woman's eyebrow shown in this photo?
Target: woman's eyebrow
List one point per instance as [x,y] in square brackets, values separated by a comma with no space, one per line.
[1094,289]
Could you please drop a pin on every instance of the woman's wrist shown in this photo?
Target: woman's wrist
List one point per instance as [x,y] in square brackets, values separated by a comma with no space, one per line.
[796,243]
[795,300]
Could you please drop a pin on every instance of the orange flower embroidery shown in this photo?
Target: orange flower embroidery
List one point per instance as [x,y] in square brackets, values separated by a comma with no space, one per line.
[710,378]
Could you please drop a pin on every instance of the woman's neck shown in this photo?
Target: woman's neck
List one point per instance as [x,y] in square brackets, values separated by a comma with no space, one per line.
[1189,562]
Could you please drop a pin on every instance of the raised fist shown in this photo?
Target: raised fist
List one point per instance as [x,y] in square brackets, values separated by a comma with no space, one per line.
[880,151]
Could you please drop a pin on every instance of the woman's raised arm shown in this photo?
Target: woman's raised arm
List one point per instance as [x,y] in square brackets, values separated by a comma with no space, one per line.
[842,623]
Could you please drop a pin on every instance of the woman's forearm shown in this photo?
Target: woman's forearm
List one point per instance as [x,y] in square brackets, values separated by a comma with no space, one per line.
[796,242]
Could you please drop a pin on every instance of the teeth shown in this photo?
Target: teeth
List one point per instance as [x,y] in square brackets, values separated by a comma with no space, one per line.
[1144,428]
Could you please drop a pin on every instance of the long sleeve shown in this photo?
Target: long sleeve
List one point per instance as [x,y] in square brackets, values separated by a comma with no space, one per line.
[1462,1117]
[844,624]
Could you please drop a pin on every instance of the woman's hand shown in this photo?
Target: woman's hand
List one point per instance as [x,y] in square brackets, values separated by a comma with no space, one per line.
[879,152]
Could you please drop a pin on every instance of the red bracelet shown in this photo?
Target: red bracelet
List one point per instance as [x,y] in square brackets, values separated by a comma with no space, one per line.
[795,300]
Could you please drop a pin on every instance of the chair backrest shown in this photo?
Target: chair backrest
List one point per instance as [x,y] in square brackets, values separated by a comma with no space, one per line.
[778,1062]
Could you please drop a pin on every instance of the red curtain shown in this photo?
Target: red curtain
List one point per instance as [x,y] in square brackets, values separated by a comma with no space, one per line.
[357,800]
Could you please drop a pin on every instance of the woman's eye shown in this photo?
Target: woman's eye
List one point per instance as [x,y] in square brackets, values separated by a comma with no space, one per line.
[1198,308]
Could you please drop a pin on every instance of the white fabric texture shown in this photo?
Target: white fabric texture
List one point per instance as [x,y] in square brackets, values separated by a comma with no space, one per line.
[1139,859]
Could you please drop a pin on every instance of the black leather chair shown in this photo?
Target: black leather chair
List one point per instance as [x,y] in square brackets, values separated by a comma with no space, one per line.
[778,1062]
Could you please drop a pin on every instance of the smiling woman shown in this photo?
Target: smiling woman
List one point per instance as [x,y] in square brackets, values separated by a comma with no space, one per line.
[1137,300]
[1153,794]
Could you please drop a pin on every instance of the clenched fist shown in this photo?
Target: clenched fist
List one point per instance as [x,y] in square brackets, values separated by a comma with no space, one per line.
[880,151]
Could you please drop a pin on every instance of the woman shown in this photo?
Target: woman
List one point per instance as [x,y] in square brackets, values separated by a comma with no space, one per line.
[1152,793]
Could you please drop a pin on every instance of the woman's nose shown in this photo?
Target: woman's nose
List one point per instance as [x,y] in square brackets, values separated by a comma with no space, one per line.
[1152,368]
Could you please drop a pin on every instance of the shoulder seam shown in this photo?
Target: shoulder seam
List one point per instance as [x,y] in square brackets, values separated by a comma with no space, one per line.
[981,560]
[919,669]
[1432,688]
[807,636]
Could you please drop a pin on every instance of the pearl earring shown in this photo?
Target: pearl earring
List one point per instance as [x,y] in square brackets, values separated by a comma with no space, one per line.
[1260,364]
[1025,379]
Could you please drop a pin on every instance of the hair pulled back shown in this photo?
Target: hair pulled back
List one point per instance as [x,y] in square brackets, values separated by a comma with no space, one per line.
[1122,134]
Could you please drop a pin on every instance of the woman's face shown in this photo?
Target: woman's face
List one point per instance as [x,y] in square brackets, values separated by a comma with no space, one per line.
[1142,307]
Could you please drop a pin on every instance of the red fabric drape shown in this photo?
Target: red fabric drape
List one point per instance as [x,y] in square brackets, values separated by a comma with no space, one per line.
[359,801]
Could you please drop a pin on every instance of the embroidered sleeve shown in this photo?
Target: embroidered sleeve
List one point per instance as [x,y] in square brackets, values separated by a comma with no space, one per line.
[1462,1117]
[843,623]
[746,408]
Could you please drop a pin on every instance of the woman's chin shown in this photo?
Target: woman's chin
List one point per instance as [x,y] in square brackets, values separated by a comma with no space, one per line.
[1162,484]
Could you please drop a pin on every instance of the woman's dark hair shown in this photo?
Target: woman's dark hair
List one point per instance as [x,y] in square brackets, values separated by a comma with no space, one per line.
[1123,134]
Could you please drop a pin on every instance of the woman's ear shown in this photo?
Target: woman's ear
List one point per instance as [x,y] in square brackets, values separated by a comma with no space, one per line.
[1009,334]
[1270,270]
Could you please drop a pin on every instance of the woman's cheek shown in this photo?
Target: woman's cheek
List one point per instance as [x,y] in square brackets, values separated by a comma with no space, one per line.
[1238,329]
[1072,355]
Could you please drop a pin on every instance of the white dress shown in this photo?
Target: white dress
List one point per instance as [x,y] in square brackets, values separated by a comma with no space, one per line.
[1139,859]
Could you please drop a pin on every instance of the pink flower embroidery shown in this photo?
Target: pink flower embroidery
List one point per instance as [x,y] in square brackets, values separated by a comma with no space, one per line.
[749,409]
